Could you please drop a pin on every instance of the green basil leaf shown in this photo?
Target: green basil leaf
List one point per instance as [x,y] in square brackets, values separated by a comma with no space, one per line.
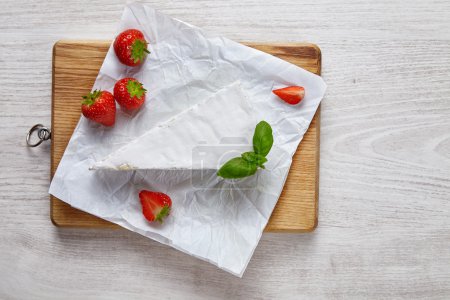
[262,138]
[254,158]
[237,168]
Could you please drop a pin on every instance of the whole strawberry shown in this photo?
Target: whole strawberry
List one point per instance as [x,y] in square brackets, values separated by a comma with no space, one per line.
[155,205]
[129,93]
[131,47]
[99,106]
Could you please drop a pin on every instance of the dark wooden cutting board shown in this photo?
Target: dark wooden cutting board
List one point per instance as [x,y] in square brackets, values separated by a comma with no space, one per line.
[75,67]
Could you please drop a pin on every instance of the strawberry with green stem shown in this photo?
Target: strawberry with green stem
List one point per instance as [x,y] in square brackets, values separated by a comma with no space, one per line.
[130,47]
[99,106]
[156,206]
[129,93]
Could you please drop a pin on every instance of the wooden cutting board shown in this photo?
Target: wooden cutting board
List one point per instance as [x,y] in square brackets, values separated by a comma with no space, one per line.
[75,67]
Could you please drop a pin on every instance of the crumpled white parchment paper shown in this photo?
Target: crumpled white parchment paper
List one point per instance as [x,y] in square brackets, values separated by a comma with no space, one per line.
[220,221]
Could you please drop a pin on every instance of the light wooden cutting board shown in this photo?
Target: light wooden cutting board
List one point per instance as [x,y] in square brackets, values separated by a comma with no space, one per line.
[75,67]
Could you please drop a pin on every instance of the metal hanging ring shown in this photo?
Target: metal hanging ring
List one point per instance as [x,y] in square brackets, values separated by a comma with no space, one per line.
[43,134]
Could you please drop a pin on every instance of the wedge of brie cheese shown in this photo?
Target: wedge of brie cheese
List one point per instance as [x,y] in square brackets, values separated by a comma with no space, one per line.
[201,137]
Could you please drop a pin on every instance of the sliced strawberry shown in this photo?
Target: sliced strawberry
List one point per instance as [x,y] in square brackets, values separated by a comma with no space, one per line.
[292,94]
[155,205]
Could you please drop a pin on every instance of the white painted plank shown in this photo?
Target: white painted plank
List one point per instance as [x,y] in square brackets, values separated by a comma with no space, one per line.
[384,225]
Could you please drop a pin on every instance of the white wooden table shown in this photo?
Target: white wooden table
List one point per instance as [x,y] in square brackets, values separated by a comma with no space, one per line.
[384,221]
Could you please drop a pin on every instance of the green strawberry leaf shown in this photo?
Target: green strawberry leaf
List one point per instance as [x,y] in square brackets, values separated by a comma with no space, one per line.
[237,168]
[262,138]
[164,212]
[90,98]
[139,50]
[135,89]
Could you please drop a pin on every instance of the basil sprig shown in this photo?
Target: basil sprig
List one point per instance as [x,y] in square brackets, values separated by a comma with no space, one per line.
[262,139]
[248,162]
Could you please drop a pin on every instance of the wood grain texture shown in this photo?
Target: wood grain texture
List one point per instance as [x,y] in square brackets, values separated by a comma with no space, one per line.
[75,67]
[384,226]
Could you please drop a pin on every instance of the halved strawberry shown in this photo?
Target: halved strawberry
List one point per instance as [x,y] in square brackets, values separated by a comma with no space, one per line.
[292,94]
[155,205]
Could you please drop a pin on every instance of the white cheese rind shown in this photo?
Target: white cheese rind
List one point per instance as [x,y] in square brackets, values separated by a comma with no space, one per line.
[201,137]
